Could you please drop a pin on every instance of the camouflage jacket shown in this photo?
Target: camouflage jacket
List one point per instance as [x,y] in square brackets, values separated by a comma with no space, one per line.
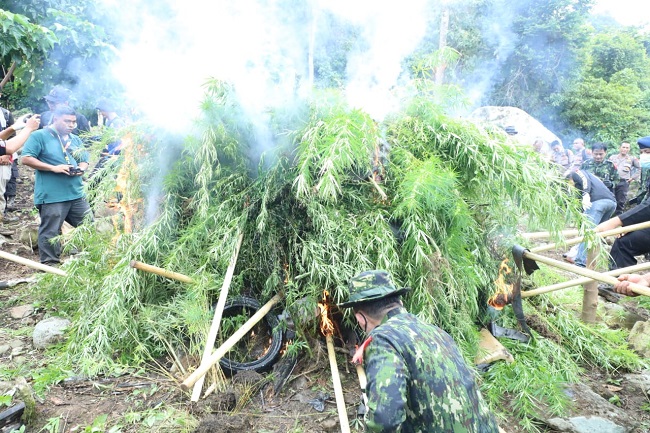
[605,171]
[418,381]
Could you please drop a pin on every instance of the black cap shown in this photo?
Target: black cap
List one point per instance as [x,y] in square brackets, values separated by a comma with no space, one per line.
[58,94]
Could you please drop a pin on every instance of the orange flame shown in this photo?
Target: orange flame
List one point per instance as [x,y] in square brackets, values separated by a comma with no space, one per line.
[127,206]
[504,290]
[326,324]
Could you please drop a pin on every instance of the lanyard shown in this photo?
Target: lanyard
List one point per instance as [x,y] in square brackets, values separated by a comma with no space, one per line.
[64,149]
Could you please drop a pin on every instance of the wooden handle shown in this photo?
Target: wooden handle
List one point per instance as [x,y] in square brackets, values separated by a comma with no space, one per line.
[580,281]
[32,264]
[160,271]
[216,319]
[230,343]
[574,241]
[338,389]
[598,276]
[544,235]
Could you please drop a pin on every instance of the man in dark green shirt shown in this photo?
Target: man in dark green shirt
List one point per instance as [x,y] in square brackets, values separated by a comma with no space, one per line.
[602,168]
[417,379]
[60,160]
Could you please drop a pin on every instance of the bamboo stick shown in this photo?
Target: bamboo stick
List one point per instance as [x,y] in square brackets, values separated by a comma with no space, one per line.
[230,343]
[377,187]
[598,276]
[574,241]
[160,271]
[218,313]
[338,389]
[580,281]
[32,264]
[361,374]
[544,235]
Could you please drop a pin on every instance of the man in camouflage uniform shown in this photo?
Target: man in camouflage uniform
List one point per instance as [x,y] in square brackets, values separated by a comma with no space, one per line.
[600,167]
[417,379]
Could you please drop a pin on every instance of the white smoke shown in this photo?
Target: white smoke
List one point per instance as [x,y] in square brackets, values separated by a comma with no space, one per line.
[259,46]
[390,32]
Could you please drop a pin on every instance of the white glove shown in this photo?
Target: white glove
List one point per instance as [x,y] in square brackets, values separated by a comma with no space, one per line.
[586,202]
[21,122]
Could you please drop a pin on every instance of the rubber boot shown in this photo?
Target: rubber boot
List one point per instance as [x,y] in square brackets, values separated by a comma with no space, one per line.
[11,202]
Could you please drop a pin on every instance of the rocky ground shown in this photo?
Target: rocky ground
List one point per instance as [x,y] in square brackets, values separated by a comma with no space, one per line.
[151,399]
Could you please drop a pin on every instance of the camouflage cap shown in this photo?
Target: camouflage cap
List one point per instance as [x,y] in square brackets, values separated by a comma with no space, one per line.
[58,94]
[370,286]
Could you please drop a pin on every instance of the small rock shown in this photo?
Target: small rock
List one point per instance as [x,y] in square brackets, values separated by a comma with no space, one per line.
[639,338]
[4,348]
[593,424]
[21,311]
[28,235]
[6,387]
[49,331]
[19,360]
[640,380]
[330,424]
[16,344]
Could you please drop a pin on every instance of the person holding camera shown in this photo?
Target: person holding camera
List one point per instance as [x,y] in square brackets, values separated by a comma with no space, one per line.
[59,158]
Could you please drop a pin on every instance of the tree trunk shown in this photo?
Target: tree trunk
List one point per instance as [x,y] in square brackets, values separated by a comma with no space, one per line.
[8,75]
[590,294]
[442,44]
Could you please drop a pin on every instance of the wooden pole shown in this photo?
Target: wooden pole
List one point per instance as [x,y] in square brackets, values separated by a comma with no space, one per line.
[160,271]
[636,288]
[580,281]
[361,374]
[32,264]
[544,235]
[590,293]
[230,343]
[574,241]
[377,187]
[338,389]
[218,313]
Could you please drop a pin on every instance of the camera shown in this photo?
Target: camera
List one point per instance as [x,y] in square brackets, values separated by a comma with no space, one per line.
[74,171]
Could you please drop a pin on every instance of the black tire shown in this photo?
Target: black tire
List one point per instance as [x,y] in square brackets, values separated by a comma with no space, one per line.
[268,359]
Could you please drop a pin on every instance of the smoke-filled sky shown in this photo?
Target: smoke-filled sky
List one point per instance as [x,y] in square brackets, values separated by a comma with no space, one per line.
[173,47]
[626,12]
[261,46]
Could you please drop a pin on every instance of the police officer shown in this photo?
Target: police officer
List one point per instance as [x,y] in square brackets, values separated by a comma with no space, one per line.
[417,379]
[628,171]
[637,243]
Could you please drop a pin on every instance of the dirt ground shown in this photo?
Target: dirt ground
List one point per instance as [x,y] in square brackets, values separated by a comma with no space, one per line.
[151,399]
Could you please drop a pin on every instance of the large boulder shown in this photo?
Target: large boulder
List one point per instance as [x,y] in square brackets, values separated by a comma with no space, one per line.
[527,127]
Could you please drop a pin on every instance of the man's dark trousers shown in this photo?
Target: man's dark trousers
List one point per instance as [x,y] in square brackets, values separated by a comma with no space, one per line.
[53,215]
[626,247]
[620,191]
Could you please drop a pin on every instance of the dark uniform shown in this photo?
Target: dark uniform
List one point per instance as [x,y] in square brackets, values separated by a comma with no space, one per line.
[636,243]
[417,379]
[604,170]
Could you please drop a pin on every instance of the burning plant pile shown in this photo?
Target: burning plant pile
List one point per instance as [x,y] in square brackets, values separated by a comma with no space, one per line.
[421,195]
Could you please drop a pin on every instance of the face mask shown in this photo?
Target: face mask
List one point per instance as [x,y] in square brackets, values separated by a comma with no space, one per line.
[644,159]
